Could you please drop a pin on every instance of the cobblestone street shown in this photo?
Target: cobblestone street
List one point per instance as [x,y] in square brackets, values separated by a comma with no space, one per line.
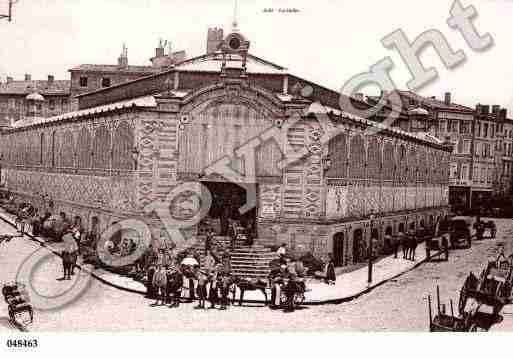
[398,305]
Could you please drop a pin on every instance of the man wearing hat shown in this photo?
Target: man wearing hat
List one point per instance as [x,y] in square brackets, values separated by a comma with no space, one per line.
[276,278]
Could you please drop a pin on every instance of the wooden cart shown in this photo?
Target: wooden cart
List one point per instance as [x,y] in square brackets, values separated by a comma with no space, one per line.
[443,322]
[18,302]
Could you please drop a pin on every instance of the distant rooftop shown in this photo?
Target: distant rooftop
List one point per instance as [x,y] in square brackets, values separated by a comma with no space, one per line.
[433,102]
[116,68]
[43,87]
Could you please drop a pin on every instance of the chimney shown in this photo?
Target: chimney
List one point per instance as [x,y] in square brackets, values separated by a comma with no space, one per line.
[214,39]
[28,77]
[503,113]
[479,108]
[159,52]
[51,79]
[9,79]
[486,109]
[496,109]
[447,98]
[123,58]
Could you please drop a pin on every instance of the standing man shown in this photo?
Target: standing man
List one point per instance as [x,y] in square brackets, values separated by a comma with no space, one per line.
[208,240]
[412,245]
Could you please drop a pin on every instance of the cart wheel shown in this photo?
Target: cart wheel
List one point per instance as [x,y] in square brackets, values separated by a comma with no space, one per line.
[299,298]
[283,298]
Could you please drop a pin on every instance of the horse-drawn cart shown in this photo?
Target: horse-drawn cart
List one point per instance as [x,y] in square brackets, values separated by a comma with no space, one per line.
[18,302]
[443,322]
[482,298]
[492,288]
[460,234]
[437,247]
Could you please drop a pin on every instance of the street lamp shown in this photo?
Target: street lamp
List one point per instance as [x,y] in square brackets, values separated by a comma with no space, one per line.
[369,277]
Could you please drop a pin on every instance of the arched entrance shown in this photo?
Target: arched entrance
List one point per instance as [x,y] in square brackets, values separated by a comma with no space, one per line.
[401,227]
[358,246]
[338,249]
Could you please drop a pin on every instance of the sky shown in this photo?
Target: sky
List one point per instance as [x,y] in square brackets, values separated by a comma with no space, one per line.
[326,41]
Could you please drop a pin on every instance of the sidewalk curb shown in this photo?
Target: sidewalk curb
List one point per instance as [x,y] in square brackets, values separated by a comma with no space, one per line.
[251,301]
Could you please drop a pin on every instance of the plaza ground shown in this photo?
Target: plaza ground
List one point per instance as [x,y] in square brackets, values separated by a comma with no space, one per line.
[400,304]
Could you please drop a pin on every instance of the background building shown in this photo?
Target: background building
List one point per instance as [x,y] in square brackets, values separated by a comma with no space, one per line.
[26,99]
[479,167]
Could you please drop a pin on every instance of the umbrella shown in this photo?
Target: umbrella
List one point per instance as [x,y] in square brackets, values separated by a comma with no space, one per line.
[189,261]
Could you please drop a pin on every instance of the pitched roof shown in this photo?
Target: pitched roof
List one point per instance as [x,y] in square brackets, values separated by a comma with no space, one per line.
[214,61]
[433,102]
[56,87]
[115,68]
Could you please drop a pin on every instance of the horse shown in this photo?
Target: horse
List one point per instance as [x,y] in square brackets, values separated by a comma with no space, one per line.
[247,284]
[411,245]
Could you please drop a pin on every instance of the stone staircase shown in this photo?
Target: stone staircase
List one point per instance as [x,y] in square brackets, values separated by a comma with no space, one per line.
[247,261]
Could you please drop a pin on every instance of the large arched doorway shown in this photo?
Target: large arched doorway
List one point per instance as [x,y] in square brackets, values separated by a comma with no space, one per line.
[358,246]
[338,249]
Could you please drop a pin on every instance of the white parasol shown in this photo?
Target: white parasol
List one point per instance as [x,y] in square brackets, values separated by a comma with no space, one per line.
[189,261]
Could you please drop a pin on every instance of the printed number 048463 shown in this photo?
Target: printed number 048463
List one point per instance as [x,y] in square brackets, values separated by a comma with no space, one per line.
[22,343]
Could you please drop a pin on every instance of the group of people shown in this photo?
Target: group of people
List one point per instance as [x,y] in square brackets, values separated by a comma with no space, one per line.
[166,272]
[42,220]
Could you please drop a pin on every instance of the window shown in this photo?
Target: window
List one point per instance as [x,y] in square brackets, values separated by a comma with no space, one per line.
[453,170]
[51,104]
[442,127]
[459,148]
[485,130]
[12,103]
[478,129]
[83,81]
[464,172]
[466,146]
[105,82]
[452,125]
[492,130]
[465,127]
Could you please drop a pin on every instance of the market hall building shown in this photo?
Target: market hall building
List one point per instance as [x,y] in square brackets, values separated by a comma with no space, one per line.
[131,144]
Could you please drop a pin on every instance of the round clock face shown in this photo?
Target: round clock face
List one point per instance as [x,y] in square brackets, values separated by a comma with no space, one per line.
[234,43]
